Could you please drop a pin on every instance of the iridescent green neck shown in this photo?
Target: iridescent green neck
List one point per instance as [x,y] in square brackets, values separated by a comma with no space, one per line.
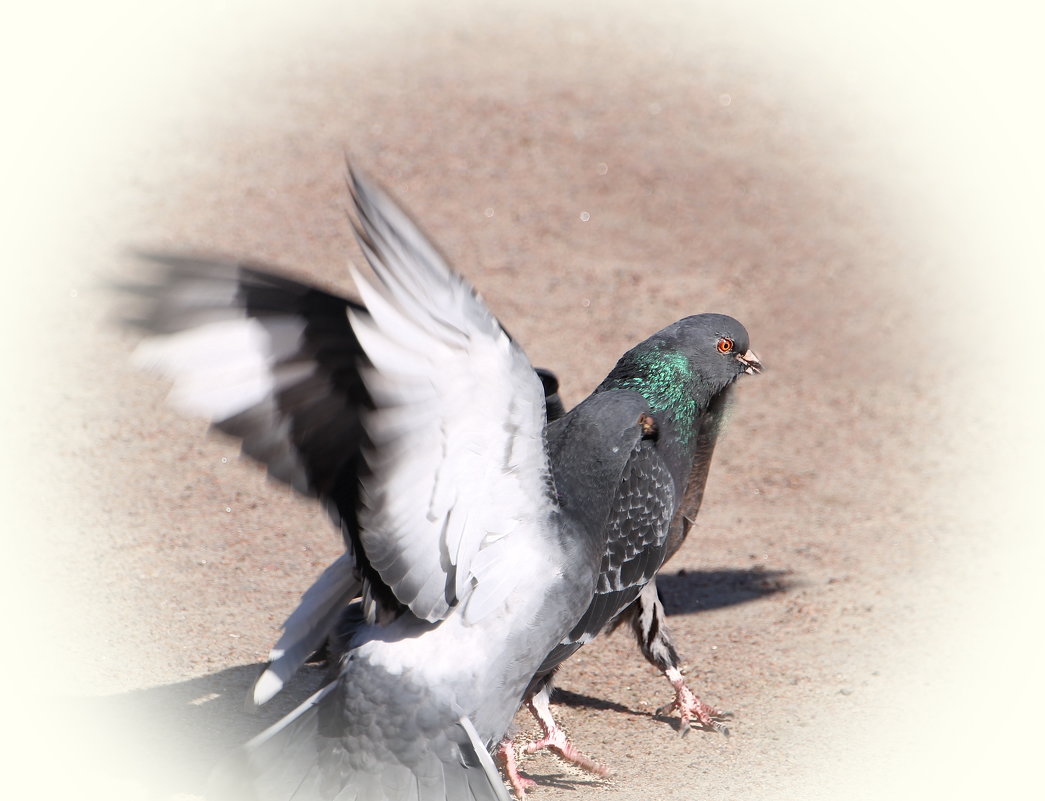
[665,379]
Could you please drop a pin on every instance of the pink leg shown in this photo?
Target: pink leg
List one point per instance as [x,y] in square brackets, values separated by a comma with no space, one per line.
[506,756]
[555,739]
[690,707]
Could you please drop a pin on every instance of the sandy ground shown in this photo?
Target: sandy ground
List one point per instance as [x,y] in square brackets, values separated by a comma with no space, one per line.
[596,179]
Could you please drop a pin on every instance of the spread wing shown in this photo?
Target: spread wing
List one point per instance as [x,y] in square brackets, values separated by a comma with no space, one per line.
[405,415]
[456,454]
[274,362]
[268,359]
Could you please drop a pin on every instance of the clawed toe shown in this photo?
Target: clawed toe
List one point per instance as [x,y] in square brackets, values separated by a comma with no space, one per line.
[708,717]
[692,708]
[557,742]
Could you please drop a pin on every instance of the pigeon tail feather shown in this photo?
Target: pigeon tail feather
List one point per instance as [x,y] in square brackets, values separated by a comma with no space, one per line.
[368,736]
[309,626]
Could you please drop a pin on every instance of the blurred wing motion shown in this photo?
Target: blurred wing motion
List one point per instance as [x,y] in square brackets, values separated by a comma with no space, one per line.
[279,364]
[274,362]
[418,423]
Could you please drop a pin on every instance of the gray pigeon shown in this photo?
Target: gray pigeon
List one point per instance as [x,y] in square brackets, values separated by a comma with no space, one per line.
[478,540]
[687,421]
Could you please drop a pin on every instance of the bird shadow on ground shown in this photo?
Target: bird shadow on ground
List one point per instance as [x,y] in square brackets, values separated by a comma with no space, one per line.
[168,739]
[570,698]
[688,591]
[694,591]
[564,781]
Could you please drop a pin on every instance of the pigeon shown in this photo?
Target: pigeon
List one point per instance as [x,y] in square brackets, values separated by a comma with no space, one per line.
[628,591]
[646,613]
[479,537]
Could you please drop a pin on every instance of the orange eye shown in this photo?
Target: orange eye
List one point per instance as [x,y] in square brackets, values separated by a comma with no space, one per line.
[725,345]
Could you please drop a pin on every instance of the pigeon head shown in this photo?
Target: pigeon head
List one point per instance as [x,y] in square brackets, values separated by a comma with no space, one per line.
[682,367]
[716,346]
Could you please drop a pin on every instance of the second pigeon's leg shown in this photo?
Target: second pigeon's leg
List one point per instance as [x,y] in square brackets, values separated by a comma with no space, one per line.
[510,766]
[655,642]
[555,738]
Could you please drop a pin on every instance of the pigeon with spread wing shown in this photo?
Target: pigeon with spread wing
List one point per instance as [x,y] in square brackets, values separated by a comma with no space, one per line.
[483,544]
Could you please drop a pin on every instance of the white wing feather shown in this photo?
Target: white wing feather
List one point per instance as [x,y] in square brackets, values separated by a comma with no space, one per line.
[457,463]
[222,368]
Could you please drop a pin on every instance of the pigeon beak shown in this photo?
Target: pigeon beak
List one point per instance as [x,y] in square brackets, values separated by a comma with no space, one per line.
[750,361]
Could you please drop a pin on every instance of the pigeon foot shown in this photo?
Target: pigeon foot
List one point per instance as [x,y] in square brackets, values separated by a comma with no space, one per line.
[692,708]
[510,766]
[555,739]
[557,742]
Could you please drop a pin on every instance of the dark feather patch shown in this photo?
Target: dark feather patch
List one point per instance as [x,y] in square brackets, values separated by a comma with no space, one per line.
[636,529]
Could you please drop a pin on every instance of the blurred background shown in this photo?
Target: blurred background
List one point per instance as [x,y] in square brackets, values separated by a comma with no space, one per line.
[859,184]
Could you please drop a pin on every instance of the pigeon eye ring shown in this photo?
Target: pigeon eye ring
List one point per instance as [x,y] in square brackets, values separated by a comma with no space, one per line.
[725,345]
